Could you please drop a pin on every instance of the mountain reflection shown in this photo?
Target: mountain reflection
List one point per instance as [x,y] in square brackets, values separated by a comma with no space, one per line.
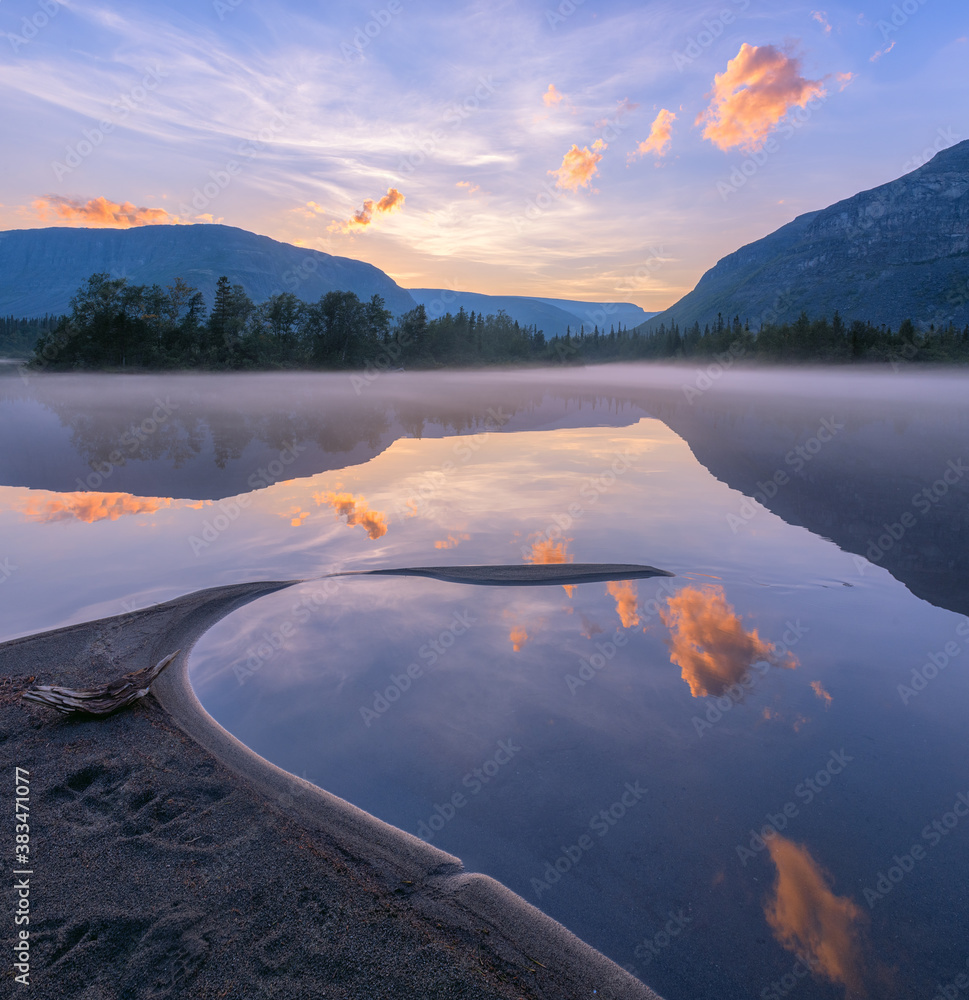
[709,643]
[807,918]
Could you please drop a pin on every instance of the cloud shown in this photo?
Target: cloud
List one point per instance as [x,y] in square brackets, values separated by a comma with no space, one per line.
[881,52]
[818,689]
[844,79]
[709,643]
[659,138]
[758,88]
[579,166]
[361,219]
[551,97]
[91,507]
[356,511]
[546,552]
[807,918]
[451,541]
[821,16]
[468,186]
[518,636]
[627,597]
[99,212]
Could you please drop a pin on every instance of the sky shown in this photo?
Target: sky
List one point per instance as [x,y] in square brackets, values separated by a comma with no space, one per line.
[586,149]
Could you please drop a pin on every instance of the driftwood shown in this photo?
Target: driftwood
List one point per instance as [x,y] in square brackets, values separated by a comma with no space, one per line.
[101,700]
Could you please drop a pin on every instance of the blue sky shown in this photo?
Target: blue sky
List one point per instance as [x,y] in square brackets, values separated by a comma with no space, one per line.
[287,118]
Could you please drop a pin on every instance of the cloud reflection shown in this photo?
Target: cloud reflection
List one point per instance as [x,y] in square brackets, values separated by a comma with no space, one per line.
[709,643]
[546,551]
[627,597]
[90,507]
[807,918]
[356,510]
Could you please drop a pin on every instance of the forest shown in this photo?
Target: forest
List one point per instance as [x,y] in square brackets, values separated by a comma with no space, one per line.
[114,325]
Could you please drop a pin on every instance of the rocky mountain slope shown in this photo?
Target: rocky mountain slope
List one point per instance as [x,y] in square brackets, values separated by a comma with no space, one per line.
[899,251]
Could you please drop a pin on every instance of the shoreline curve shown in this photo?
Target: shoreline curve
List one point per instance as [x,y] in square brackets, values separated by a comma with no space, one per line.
[520,940]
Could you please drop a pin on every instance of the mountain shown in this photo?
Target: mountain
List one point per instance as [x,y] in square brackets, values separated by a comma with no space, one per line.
[551,316]
[41,269]
[899,251]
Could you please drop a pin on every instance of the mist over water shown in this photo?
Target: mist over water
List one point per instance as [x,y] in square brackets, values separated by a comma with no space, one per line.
[803,670]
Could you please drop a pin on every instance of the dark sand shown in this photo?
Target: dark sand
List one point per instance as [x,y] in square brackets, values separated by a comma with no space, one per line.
[518,575]
[170,861]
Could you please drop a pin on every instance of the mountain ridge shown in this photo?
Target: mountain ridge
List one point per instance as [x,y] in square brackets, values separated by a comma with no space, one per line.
[41,269]
[897,251]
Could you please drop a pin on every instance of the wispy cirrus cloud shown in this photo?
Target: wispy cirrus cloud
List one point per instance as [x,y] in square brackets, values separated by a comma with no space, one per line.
[760,85]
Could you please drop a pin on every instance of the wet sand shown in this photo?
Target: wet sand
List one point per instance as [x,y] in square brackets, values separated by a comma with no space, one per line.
[169,860]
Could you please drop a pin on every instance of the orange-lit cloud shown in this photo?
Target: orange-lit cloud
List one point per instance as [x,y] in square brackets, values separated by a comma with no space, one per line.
[91,507]
[844,79]
[821,16]
[518,636]
[546,552]
[356,511]
[881,52]
[451,541]
[817,688]
[468,186]
[627,597]
[709,643]
[808,919]
[99,212]
[362,218]
[579,166]
[659,138]
[296,516]
[551,97]
[758,88]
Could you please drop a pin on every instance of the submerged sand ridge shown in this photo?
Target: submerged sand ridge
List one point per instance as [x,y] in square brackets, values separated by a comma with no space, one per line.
[230,877]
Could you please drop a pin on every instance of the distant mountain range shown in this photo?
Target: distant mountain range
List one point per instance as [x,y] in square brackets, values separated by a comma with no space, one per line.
[899,251]
[41,269]
[552,316]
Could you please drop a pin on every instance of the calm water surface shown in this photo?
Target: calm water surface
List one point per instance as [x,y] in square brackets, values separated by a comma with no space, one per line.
[747,779]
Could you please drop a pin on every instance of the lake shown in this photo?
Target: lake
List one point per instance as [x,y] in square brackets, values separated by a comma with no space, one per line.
[747,778]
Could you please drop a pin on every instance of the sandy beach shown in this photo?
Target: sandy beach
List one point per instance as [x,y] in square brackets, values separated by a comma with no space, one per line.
[168,860]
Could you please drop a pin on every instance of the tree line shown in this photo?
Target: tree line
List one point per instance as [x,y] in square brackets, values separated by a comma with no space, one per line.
[114,324]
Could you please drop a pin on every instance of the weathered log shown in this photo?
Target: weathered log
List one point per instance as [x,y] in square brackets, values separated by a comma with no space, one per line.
[100,700]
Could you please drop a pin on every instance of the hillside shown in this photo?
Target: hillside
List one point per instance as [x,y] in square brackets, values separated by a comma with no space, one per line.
[41,269]
[552,316]
[899,251]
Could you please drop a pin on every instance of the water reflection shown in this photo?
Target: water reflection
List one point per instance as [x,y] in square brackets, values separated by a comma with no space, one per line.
[808,919]
[627,598]
[88,507]
[710,644]
[357,511]
[598,690]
